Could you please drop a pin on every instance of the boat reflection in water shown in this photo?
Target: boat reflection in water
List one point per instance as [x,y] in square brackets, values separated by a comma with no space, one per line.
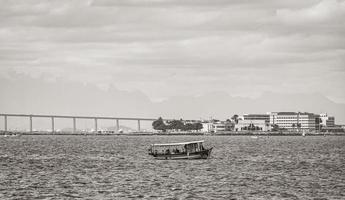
[182,150]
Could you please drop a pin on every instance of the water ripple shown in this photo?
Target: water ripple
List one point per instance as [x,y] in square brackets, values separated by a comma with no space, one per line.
[118,167]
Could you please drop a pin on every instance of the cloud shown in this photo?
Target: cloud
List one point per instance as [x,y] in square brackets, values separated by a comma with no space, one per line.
[63,97]
[241,47]
[324,12]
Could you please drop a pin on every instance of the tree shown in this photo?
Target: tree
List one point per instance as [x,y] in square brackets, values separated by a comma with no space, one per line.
[275,127]
[175,125]
[235,118]
[198,126]
[251,127]
[188,127]
[159,124]
[293,126]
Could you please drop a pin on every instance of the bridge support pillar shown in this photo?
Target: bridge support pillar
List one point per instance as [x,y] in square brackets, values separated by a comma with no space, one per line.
[30,119]
[96,125]
[138,125]
[5,123]
[53,125]
[74,125]
[117,125]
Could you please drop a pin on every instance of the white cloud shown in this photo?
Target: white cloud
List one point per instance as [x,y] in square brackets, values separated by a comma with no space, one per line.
[323,12]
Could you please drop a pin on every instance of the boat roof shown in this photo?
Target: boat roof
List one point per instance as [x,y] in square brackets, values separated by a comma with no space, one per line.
[179,143]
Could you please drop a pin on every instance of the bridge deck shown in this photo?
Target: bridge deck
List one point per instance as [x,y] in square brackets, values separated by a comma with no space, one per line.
[79,117]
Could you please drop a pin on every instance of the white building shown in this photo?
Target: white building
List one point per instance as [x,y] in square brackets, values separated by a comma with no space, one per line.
[293,120]
[327,121]
[259,125]
[216,126]
[265,117]
[206,127]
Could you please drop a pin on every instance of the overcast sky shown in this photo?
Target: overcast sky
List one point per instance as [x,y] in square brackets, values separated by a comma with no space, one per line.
[166,48]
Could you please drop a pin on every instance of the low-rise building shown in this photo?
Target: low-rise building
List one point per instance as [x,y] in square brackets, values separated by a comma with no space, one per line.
[293,120]
[216,126]
[265,117]
[257,125]
[206,127]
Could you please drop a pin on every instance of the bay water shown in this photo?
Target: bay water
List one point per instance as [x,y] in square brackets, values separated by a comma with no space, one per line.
[119,167]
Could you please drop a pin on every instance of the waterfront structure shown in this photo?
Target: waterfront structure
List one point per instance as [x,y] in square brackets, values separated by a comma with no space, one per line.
[293,120]
[216,126]
[265,117]
[213,126]
[206,127]
[327,121]
[257,125]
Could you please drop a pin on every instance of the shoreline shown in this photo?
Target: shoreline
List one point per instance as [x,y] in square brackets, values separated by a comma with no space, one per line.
[259,134]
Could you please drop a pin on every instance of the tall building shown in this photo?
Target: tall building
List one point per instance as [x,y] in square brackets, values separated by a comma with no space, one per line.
[293,120]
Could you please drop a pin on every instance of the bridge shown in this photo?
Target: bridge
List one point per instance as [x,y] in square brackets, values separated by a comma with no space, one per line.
[74,120]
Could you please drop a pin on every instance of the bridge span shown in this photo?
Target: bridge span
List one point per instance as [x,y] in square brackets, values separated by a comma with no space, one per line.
[74,120]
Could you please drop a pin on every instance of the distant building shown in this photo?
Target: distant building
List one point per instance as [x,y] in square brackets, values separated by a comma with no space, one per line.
[327,121]
[216,126]
[206,127]
[293,120]
[257,125]
[265,117]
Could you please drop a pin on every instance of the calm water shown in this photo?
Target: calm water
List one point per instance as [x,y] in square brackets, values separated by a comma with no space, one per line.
[118,167]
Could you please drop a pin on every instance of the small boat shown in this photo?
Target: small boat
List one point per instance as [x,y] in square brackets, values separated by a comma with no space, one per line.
[13,135]
[182,150]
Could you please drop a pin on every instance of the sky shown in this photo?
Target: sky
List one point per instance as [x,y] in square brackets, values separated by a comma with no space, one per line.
[167,48]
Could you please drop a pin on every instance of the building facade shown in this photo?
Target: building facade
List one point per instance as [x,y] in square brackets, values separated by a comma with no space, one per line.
[265,117]
[293,120]
[206,127]
[217,126]
[327,121]
[252,125]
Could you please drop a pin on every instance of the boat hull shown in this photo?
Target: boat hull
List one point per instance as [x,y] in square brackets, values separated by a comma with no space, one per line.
[184,156]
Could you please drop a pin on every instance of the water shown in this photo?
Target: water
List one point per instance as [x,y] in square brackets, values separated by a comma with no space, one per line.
[118,167]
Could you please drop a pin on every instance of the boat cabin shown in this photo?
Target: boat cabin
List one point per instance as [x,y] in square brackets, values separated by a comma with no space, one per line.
[180,150]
